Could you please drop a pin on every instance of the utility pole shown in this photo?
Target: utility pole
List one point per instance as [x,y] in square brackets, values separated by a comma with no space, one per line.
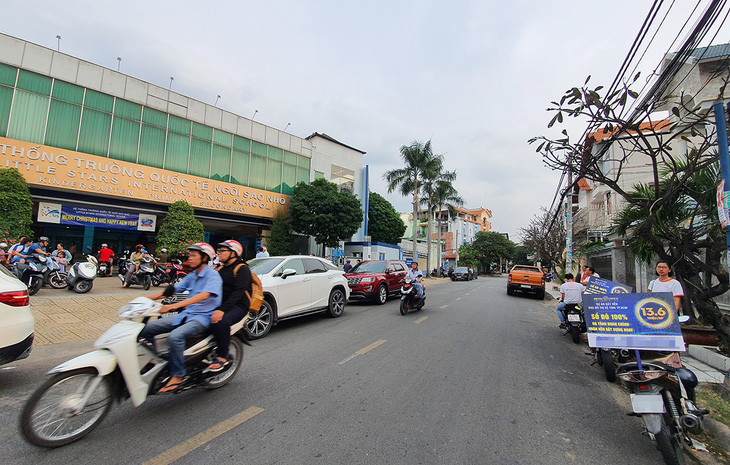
[722,149]
[569,224]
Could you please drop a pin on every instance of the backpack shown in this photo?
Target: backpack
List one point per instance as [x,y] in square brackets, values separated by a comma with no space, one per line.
[256,296]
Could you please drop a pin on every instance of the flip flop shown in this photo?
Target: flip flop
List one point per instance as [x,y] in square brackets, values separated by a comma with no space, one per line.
[171,388]
[218,365]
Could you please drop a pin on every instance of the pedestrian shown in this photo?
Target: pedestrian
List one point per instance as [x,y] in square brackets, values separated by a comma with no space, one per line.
[59,248]
[665,283]
[347,266]
[262,253]
[62,260]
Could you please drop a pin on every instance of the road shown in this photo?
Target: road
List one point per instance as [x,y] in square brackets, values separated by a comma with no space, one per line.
[476,377]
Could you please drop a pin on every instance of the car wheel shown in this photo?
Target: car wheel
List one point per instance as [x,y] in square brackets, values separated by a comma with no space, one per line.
[259,323]
[336,303]
[382,296]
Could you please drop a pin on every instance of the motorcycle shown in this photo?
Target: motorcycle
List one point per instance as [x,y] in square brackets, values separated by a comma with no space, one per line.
[664,397]
[409,300]
[79,393]
[53,276]
[171,273]
[574,321]
[609,359]
[80,277]
[104,268]
[31,274]
[143,276]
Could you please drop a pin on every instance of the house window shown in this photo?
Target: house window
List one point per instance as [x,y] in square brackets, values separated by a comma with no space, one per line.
[344,178]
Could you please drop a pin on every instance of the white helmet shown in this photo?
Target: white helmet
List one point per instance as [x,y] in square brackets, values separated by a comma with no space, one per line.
[104,245]
[3,245]
[207,249]
[163,250]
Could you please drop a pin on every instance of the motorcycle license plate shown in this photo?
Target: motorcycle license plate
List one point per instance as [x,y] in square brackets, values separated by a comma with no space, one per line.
[647,403]
[573,318]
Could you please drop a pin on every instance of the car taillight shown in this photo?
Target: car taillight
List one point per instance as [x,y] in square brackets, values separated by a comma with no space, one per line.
[15,298]
[509,278]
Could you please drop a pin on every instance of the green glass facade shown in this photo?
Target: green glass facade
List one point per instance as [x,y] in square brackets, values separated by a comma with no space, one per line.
[48,111]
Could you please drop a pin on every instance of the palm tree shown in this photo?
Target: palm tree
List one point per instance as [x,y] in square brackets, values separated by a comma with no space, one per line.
[429,190]
[420,164]
[446,195]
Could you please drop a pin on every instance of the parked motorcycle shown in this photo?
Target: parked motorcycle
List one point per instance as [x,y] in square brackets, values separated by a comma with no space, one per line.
[574,321]
[664,397]
[170,273]
[31,274]
[53,276]
[104,269]
[609,359]
[143,276]
[79,393]
[80,277]
[409,300]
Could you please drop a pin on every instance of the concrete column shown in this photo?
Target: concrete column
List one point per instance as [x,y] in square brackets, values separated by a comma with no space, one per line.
[618,262]
[88,239]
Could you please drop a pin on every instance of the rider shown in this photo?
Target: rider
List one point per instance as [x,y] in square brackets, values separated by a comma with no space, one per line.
[105,255]
[205,287]
[236,281]
[163,257]
[570,293]
[39,248]
[416,277]
[135,259]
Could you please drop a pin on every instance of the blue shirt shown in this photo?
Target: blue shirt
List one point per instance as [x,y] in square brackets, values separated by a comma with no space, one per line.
[208,280]
[414,275]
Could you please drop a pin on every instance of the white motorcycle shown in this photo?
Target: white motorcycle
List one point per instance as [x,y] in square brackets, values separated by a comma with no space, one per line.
[79,393]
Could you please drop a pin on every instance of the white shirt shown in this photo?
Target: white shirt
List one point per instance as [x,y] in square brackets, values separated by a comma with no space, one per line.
[573,292]
[671,285]
[414,275]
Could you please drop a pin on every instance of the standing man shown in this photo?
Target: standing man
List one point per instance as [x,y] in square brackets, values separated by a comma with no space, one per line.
[205,287]
[570,293]
[105,255]
[262,253]
[236,282]
[665,283]
[417,277]
[347,266]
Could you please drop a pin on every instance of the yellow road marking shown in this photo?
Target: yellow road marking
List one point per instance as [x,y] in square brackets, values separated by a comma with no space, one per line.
[458,298]
[367,349]
[193,443]
[444,306]
[420,319]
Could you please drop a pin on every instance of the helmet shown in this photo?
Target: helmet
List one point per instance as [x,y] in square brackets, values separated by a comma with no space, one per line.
[139,246]
[3,245]
[163,250]
[104,245]
[233,245]
[43,238]
[202,247]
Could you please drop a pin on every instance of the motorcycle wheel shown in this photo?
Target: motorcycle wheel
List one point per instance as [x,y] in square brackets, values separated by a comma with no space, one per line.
[668,446]
[147,283]
[575,334]
[156,280]
[259,323]
[47,420]
[82,286]
[57,280]
[403,307]
[35,285]
[235,353]
[609,366]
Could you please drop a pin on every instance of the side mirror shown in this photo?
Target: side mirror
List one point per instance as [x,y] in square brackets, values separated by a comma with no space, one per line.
[683,318]
[288,272]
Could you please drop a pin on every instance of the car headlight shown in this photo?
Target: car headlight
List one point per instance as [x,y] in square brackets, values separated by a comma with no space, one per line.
[368,280]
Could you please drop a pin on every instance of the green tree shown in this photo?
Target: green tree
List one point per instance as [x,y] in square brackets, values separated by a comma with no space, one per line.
[279,242]
[430,187]
[384,223]
[520,256]
[179,229]
[320,210]
[420,164]
[492,247]
[468,256]
[16,206]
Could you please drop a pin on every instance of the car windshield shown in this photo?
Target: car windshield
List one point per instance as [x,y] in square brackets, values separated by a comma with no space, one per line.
[527,268]
[369,267]
[461,269]
[263,265]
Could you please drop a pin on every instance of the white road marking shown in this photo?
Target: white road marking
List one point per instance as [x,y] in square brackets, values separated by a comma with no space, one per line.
[363,351]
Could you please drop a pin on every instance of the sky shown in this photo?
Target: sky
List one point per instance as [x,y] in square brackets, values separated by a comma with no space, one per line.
[474,77]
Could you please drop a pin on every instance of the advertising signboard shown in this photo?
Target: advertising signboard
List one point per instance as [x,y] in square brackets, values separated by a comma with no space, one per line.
[88,216]
[604,286]
[633,321]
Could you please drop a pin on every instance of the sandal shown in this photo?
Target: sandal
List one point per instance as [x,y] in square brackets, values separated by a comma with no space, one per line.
[171,388]
[218,365]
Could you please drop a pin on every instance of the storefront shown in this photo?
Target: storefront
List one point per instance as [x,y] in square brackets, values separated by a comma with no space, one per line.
[102,148]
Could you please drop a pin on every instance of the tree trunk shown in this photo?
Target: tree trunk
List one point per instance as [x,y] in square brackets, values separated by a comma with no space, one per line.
[440,257]
[428,240]
[415,223]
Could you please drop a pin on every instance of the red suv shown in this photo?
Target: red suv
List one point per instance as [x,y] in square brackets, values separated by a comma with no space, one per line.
[375,280]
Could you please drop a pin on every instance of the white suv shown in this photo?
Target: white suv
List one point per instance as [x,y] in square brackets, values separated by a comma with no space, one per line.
[16,321]
[294,286]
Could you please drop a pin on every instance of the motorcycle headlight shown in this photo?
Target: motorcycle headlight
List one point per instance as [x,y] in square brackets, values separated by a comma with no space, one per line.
[641,376]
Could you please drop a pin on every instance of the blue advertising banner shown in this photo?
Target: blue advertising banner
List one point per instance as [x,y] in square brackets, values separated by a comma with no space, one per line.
[89,216]
[633,321]
[604,286]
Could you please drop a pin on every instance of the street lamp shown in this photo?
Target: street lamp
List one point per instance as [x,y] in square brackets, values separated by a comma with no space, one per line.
[287,126]
[119,63]
[254,114]
[59,42]
[171,79]
[216,101]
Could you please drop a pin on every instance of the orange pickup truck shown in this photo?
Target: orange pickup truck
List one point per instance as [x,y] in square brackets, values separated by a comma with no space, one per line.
[526,278]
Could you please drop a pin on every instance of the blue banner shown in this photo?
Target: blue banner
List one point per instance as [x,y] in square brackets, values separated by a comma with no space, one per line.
[90,216]
[633,321]
[604,286]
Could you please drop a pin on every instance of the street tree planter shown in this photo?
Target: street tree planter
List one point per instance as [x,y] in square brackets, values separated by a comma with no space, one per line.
[700,336]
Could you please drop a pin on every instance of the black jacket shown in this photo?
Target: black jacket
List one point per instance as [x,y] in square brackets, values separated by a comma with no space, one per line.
[234,288]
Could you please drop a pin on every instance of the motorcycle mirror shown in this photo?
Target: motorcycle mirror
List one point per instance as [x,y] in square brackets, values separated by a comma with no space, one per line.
[683,318]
